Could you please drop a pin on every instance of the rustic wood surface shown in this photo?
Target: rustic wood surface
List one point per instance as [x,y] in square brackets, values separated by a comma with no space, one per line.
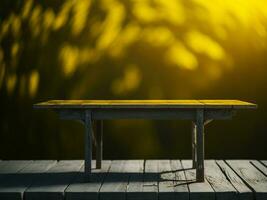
[133,179]
[92,112]
[253,177]
[236,104]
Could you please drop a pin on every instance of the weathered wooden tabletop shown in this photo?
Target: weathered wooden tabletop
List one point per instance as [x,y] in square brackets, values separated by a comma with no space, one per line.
[133,179]
[236,104]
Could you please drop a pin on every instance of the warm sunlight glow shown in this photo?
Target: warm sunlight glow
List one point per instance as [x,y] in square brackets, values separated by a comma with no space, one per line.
[129,82]
[201,43]
[69,57]
[180,56]
[11,83]
[33,83]
[81,11]
[80,36]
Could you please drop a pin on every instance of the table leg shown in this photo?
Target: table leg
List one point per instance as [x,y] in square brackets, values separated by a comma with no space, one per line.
[99,143]
[200,145]
[194,155]
[88,142]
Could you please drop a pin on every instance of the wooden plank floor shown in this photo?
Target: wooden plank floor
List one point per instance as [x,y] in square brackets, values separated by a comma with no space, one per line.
[133,179]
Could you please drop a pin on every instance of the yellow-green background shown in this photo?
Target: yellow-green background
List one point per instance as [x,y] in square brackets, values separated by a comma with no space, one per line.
[131,49]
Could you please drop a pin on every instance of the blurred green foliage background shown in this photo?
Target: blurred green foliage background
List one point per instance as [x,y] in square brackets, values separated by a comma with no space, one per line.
[131,49]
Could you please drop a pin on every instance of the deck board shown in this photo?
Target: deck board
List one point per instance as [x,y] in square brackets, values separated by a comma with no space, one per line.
[264,162]
[13,166]
[198,191]
[116,181]
[261,167]
[15,184]
[224,190]
[166,180]
[52,183]
[133,180]
[135,184]
[255,179]
[243,191]
[151,177]
[180,184]
[82,189]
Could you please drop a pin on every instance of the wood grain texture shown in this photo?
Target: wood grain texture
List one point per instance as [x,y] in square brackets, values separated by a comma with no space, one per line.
[81,188]
[198,191]
[200,144]
[145,104]
[224,190]
[264,162]
[52,183]
[255,179]
[226,103]
[261,167]
[99,143]
[12,166]
[135,169]
[88,134]
[194,144]
[116,182]
[166,181]
[14,185]
[244,192]
[9,173]
[144,113]
[132,180]
[180,184]
[151,177]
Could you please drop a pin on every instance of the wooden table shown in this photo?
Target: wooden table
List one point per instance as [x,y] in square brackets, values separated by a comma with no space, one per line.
[91,112]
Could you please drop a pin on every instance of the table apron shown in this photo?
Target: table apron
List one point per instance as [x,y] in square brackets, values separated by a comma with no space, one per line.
[154,114]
